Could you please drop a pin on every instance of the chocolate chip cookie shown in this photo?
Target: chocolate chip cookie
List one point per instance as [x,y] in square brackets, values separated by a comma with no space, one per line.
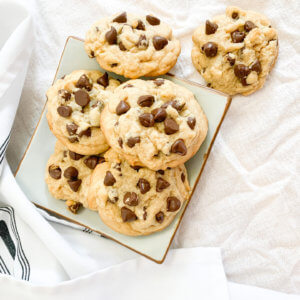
[137,200]
[133,46]
[154,123]
[68,176]
[235,52]
[74,106]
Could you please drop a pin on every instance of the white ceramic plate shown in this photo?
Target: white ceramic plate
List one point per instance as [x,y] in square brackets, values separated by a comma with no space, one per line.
[30,174]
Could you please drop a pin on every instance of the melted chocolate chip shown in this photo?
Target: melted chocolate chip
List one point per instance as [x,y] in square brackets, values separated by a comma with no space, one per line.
[91,162]
[54,172]
[131,199]
[73,139]
[210,28]
[109,179]
[127,215]
[182,177]
[136,168]
[71,128]
[87,132]
[122,47]
[84,83]
[75,156]
[170,126]
[111,36]
[120,142]
[145,100]
[173,204]
[74,184]
[191,122]
[122,108]
[143,185]
[256,67]
[64,111]
[132,141]
[64,94]
[210,49]
[159,217]
[179,147]
[249,26]
[161,172]
[82,98]
[152,20]
[71,173]
[161,184]
[238,36]
[159,81]
[122,18]
[159,42]
[159,114]
[140,25]
[146,120]
[103,80]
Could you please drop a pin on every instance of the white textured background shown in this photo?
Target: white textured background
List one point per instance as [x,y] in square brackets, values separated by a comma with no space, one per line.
[247,201]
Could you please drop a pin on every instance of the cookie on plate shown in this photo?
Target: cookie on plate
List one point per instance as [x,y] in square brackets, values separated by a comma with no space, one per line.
[154,123]
[74,106]
[236,51]
[137,200]
[68,176]
[133,46]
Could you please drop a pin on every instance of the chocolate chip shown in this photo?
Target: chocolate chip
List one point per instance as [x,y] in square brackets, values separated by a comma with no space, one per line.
[210,28]
[143,185]
[136,167]
[71,173]
[101,160]
[238,36]
[161,184]
[241,71]
[64,111]
[87,132]
[54,172]
[145,213]
[142,42]
[249,26]
[159,217]
[191,122]
[74,206]
[170,126]
[113,200]
[210,49]
[147,120]
[122,18]
[182,177]
[111,36]
[132,141]
[75,156]
[73,139]
[64,94]
[179,147]
[161,172]
[113,65]
[71,128]
[145,100]
[82,98]
[159,114]
[256,67]
[131,199]
[122,108]
[159,42]
[120,141]
[103,80]
[127,215]
[152,20]
[235,15]
[91,162]
[175,104]
[92,54]
[84,83]
[109,179]
[231,60]
[159,82]
[122,47]
[74,184]
[141,25]
[173,204]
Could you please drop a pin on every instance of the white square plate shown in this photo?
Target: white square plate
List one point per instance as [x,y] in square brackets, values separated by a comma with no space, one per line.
[30,173]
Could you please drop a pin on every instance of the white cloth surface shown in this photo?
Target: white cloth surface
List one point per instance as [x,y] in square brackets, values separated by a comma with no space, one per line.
[247,201]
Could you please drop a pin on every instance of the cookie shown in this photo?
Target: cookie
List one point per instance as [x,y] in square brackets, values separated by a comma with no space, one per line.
[74,106]
[68,176]
[132,45]
[137,200]
[235,52]
[154,123]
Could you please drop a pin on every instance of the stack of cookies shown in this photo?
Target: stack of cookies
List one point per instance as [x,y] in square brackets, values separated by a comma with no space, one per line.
[121,147]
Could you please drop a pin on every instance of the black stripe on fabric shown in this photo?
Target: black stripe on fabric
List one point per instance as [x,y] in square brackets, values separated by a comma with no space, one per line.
[7,138]
[20,252]
[3,148]
[3,266]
